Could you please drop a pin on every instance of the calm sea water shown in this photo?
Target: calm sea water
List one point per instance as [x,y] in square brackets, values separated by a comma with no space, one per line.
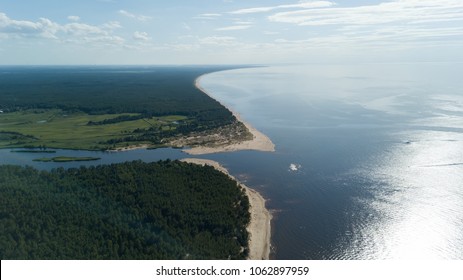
[376,152]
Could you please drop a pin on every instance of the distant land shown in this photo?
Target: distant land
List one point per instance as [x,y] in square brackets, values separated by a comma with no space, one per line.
[111,108]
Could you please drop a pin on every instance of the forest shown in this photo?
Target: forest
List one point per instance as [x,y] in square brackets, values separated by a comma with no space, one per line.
[133,210]
[101,90]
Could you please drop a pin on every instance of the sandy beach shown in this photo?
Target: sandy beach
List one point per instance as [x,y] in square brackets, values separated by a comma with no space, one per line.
[260,141]
[259,227]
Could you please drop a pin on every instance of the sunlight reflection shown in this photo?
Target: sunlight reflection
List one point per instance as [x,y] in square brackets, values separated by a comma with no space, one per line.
[423,217]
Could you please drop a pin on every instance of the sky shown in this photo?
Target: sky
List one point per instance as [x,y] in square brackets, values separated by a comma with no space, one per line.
[91,32]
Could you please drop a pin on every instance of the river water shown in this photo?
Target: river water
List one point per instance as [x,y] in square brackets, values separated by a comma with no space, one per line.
[368,161]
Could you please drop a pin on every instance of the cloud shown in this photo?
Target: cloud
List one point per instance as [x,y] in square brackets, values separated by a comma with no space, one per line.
[73,18]
[42,28]
[233,27]
[75,32]
[112,25]
[210,16]
[398,23]
[141,36]
[82,29]
[244,22]
[218,40]
[134,16]
[410,11]
[301,4]
[106,40]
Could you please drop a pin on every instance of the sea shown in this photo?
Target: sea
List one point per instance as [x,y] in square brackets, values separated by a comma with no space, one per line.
[368,162]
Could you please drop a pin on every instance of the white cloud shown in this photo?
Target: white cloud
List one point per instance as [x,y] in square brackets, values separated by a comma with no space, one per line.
[271,33]
[73,18]
[210,16]
[134,16]
[244,22]
[388,12]
[217,40]
[142,36]
[301,4]
[401,22]
[42,28]
[233,27]
[82,29]
[106,40]
[112,25]
[75,32]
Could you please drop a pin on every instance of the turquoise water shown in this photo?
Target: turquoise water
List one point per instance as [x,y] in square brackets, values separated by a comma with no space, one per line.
[368,161]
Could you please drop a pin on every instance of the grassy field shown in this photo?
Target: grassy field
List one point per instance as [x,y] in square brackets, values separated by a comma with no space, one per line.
[54,128]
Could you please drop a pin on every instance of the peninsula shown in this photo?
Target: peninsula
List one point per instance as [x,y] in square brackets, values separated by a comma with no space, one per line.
[128,108]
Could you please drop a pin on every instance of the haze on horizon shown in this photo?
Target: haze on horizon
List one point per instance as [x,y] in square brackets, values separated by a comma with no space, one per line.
[229,31]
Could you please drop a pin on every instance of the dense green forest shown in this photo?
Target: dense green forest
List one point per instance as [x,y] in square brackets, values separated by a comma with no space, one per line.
[110,90]
[134,210]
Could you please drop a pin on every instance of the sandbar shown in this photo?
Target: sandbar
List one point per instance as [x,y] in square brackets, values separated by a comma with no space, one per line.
[259,227]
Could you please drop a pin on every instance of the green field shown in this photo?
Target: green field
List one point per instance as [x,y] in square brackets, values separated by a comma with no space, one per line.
[54,128]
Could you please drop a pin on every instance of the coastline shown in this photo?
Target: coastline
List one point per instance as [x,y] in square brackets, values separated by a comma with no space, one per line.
[259,226]
[260,141]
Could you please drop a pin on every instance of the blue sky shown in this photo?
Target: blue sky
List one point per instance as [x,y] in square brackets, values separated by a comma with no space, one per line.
[229,31]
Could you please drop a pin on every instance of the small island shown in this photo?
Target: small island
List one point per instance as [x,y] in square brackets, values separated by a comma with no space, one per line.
[66,159]
[34,151]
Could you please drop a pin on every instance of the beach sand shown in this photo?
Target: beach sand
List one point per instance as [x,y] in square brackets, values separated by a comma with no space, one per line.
[260,141]
[259,227]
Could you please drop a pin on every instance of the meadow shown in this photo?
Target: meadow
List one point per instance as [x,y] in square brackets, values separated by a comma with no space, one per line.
[55,128]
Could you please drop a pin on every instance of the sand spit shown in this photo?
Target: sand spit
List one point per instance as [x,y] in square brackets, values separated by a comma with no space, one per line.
[260,141]
[259,227]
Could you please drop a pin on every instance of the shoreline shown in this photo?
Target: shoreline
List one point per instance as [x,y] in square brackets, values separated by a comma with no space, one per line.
[259,227]
[260,141]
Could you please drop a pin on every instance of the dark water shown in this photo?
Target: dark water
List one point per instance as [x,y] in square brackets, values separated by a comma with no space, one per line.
[378,151]
[8,157]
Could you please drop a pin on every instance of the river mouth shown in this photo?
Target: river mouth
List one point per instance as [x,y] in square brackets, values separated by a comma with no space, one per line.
[377,150]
